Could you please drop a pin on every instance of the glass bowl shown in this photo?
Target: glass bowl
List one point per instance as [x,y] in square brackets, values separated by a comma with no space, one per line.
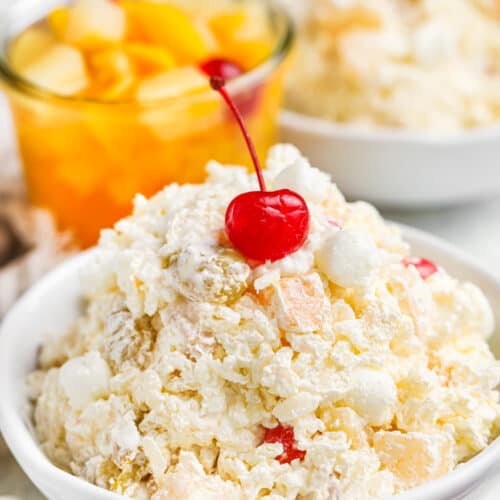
[85,159]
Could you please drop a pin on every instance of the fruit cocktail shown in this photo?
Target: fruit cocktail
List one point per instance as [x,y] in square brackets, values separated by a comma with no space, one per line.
[111,98]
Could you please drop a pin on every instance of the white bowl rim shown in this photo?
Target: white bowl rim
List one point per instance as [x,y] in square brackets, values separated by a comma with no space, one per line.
[322,127]
[29,455]
[21,442]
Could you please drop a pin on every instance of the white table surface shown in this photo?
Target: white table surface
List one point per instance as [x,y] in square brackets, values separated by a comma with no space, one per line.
[473,228]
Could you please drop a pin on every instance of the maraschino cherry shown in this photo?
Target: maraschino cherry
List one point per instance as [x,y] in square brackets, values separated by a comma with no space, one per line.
[286,436]
[221,67]
[263,225]
[425,267]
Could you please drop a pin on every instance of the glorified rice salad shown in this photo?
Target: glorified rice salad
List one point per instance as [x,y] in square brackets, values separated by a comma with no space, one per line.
[342,367]
[413,64]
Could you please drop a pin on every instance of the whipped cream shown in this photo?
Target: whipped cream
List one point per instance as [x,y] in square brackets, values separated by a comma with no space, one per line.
[185,354]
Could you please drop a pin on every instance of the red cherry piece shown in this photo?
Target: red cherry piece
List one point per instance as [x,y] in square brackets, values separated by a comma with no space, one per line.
[286,436]
[425,267]
[267,225]
[246,100]
[221,68]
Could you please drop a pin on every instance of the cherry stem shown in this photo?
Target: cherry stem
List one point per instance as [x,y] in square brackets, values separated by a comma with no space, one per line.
[217,83]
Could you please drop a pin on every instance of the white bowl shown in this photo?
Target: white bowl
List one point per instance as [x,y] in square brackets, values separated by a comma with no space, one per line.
[393,168]
[54,302]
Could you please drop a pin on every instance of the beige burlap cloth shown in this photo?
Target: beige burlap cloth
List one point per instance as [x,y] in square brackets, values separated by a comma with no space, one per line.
[29,242]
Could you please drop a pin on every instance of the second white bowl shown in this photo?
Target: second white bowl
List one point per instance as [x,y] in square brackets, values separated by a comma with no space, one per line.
[400,169]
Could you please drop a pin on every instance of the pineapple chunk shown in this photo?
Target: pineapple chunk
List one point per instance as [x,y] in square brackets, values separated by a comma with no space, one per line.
[29,46]
[297,302]
[346,420]
[415,458]
[180,120]
[167,26]
[112,73]
[60,69]
[149,58]
[173,83]
[94,23]
[58,22]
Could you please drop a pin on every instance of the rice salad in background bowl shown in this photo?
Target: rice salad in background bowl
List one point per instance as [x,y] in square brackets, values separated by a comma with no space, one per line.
[406,95]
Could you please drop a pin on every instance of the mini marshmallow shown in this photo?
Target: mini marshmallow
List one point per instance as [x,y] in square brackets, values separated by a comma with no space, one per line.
[348,257]
[433,43]
[281,156]
[300,177]
[373,395]
[85,379]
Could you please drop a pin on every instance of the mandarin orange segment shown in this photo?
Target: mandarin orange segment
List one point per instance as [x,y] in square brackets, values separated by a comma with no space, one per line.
[248,53]
[58,21]
[169,27]
[415,458]
[227,24]
[112,73]
[119,89]
[110,64]
[149,58]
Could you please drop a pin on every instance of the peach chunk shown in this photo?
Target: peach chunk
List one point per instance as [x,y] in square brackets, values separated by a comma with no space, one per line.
[415,458]
[167,26]
[149,58]
[343,419]
[297,302]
